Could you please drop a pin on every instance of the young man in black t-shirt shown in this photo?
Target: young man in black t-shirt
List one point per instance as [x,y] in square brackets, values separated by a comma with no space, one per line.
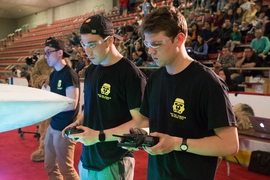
[186,104]
[59,151]
[113,90]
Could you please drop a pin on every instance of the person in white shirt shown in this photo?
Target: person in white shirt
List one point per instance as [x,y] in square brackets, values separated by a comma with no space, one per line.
[245,5]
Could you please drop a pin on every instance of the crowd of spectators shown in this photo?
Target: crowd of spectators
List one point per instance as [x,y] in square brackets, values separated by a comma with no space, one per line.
[215,26]
[227,24]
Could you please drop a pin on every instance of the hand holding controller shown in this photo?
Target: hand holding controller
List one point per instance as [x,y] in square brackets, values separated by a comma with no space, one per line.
[137,140]
[72,130]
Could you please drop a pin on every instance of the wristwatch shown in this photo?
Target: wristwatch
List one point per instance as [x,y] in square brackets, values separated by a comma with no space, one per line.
[184,146]
[101,136]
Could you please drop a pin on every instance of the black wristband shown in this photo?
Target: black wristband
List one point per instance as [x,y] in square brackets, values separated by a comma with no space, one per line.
[101,136]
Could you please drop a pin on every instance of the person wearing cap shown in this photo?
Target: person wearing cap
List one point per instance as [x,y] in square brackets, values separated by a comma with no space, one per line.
[113,90]
[59,151]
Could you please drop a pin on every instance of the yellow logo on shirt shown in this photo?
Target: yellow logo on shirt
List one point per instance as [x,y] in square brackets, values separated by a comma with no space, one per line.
[59,85]
[105,91]
[178,108]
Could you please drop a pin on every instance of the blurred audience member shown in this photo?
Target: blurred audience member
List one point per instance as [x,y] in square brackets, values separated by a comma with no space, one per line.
[153,5]
[199,49]
[191,19]
[227,59]
[218,21]
[213,6]
[137,59]
[247,19]
[266,27]
[207,33]
[235,5]
[245,5]
[193,32]
[260,12]
[228,6]
[208,18]
[188,43]
[140,51]
[87,63]
[144,7]
[123,7]
[225,74]
[224,34]
[260,44]
[238,16]
[131,5]
[131,43]
[138,19]
[229,15]
[235,38]
[249,60]
[80,63]
[75,39]
[122,48]
[221,4]
[73,56]
[267,10]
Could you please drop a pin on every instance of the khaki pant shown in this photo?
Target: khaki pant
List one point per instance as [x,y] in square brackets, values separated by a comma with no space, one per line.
[59,156]
[121,170]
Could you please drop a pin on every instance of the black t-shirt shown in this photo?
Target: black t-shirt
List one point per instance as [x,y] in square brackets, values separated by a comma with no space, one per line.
[190,104]
[254,58]
[59,81]
[109,93]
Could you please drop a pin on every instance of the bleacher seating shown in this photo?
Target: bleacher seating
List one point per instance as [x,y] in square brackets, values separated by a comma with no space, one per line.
[18,49]
[14,50]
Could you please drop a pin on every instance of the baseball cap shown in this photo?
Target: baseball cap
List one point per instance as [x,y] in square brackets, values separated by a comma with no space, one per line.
[57,44]
[99,25]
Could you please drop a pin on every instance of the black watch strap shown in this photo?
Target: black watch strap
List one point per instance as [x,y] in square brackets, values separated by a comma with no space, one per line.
[101,136]
[184,146]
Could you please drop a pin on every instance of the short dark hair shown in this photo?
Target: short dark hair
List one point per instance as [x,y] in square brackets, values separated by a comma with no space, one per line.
[226,47]
[236,25]
[250,48]
[166,19]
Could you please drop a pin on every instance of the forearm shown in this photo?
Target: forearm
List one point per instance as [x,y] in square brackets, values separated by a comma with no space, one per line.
[266,49]
[217,64]
[137,121]
[205,50]
[248,65]
[239,63]
[217,145]
[209,40]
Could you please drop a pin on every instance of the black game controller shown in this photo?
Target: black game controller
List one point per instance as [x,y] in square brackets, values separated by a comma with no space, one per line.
[137,140]
[72,130]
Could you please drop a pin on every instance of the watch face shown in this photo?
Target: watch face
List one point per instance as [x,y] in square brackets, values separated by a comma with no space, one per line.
[184,147]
